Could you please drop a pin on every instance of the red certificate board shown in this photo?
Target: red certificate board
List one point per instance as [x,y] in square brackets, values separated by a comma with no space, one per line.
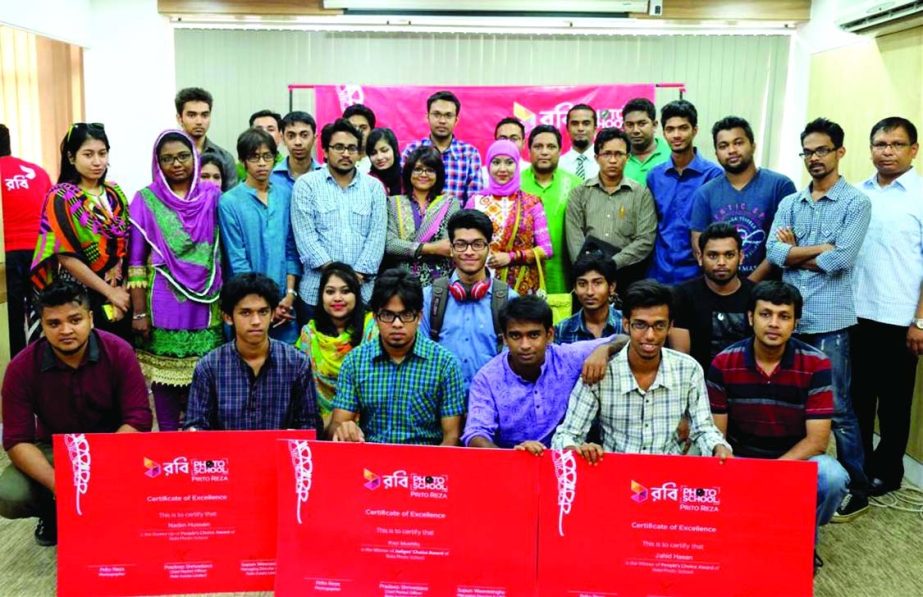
[160,513]
[405,521]
[675,526]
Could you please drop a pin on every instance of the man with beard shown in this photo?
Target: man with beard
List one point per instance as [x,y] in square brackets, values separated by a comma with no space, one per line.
[614,211]
[462,161]
[746,196]
[581,128]
[462,312]
[256,232]
[815,237]
[338,214]
[545,180]
[73,380]
[194,116]
[647,149]
[889,302]
[673,184]
[298,134]
[645,393]
[402,388]
[711,311]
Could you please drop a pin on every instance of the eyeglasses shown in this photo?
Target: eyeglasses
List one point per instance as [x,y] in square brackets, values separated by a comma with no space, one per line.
[462,245]
[261,157]
[820,152]
[642,326]
[86,125]
[609,155]
[896,146]
[423,171]
[340,148]
[169,160]
[442,115]
[389,316]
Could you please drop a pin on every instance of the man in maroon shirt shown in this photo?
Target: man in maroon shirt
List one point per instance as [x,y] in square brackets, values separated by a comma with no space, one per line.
[74,380]
[23,186]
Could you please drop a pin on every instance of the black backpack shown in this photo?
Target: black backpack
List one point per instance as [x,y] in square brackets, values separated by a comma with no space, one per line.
[499,294]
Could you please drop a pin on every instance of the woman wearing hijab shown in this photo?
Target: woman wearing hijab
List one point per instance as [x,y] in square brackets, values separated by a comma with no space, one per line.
[418,238]
[174,273]
[521,240]
[83,234]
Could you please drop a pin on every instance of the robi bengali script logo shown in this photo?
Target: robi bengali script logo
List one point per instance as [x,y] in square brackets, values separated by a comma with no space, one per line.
[639,492]
[372,481]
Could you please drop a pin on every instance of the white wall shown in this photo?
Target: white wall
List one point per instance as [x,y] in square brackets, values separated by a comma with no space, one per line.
[64,20]
[129,77]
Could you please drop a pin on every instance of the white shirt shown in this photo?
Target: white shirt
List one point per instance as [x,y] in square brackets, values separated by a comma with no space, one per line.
[889,267]
[364,165]
[568,162]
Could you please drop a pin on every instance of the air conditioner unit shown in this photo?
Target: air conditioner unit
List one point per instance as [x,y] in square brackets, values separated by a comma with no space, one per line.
[607,7]
[880,17]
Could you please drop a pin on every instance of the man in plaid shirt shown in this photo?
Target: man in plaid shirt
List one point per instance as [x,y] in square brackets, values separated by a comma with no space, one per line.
[403,387]
[462,161]
[646,392]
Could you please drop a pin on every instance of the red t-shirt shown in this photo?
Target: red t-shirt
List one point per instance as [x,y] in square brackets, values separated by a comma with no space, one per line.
[23,186]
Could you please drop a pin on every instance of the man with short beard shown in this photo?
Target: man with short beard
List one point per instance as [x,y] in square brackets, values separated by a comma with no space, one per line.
[545,180]
[338,214]
[647,149]
[462,160]
[746,196]
[581,128]
[711,311]
[73,380]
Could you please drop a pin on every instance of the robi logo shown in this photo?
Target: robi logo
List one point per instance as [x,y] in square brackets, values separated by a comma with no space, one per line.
[372,481]
[639,492]
[153,468]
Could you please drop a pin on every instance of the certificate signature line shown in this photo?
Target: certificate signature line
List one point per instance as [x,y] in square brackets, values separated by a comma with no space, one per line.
[328,579]
[578,592]
[676,561]
[405,547]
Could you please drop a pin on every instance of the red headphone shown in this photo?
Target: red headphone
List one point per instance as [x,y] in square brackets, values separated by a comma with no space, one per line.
[462,294]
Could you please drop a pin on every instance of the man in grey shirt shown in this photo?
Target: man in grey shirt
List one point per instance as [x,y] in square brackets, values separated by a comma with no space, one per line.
[613,209]
[194,115]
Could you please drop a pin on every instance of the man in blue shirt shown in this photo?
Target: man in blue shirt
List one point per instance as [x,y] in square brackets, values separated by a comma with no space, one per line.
[298,130]
[673,184]
[256,229]
[468,327]
[252,382]
[815,237]
[594,287]
[745,197]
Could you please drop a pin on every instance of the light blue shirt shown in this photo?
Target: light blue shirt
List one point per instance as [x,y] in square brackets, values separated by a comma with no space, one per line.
[282,177]
[467,329]
[840,218]
[336,224]
[889,268]
[257,237]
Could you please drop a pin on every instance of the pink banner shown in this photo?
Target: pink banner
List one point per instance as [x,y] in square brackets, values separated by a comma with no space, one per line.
[403,108]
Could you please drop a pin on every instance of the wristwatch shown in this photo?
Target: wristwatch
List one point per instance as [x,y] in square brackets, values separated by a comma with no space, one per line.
[291,291]
[918,323]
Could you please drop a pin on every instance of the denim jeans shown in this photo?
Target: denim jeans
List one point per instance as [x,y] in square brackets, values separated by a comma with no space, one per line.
[845,424]
[831,487]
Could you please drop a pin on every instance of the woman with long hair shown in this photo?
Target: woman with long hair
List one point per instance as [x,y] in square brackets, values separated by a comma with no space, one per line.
[521,240]
[83,234]
[418,239]
[174,273]
[384,153]
[338,327]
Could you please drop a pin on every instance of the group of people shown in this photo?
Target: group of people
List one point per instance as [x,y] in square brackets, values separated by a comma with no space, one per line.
[400,296]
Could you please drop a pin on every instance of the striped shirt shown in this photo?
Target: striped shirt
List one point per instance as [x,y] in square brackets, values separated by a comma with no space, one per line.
[573,329]
[840,218]
[336,224]
[767,413]
[226,395]
[462,168]
[894,243]
[638,422]
[401,403]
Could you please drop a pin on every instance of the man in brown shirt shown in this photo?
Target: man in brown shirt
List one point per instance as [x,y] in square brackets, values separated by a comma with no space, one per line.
[74,380]
[613,209]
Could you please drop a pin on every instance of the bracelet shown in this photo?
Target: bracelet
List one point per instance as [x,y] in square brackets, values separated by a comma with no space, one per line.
[291,291]
[138,316]
[512,256]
